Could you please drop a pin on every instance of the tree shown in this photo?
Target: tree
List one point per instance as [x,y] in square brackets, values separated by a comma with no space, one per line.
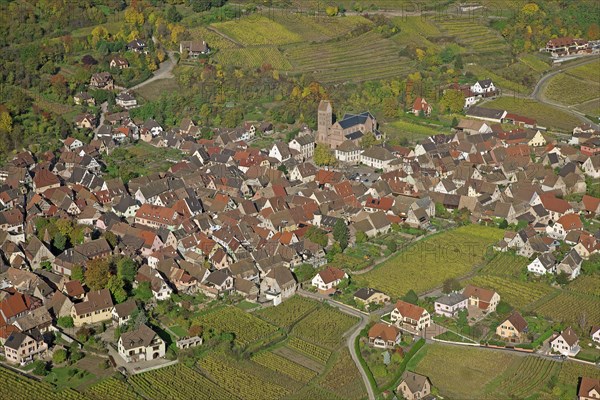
[116,286]
[77,273]
[195,330]
[331,11]
[59,242]
[173,15]
[143,291]
[335,249]
[126,269]
[503,224]
[361,237]
[40,368]
[59,356]
[368,140]
[340,233]
[562,278]
[451,285]
[97,273]
[452,101]
[591,265]
[323,155]
[317,236]
[111,238]
[411,297]
[391,245]
[65,322]
[390,107]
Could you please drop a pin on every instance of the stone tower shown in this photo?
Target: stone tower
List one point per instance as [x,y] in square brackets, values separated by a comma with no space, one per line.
[325,120]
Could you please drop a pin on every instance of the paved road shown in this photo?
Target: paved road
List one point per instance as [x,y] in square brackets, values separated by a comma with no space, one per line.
[165,71]
[364,320]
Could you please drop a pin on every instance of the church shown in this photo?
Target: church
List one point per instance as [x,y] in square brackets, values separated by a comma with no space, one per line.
[352,127]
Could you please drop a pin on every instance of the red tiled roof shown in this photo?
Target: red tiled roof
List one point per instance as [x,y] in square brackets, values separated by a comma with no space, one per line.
[570,222]
[410,310]
[331,274]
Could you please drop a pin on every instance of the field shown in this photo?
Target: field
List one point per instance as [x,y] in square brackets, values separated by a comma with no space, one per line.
[157,88]
[378,58]
[177,382]
[288,313]
[344,378]
[534,62]
[415,31]
[446,255]
[215,41]
[545,115]
[324,327]
[505,264]
[254,57]
[526,376]
[589,284]
[109,388]
[141,159]
[566,89]
[590,108]
[482,72]
[312,350]
[569,375]
[590,71]
[245,327]
[569,307]
[516,293]
[257,30]
[284,366]
[411,131]
[316,28]
[17,387]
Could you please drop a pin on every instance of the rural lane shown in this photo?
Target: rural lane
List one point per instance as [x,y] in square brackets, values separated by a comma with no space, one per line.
[364,320]
[163,72]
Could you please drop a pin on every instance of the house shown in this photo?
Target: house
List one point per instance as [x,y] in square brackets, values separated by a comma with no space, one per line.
[20,348]
[473,127]
[514,329]
[595,333]
[564,225]
[37,253]
[591,166]
[420,105]
[327,280]
[220,282]
[277,285]
[484,299]
[570,265]
[414,386]
[194,48]
[280,151]
[589,389]
[38,319]
[85,121]
[590,147]
[305,144]
[142,344]
[368,296]
[97,307]
[410,316]
[543,264]
[450,304]
[483,86]
[566,343]
[118,62]
[126,100]
[84,98]
[486,114]
[122,312]
[137,46]
[158,285]
[564,46]
[348,152]
[377,157]
[102,80]
[384,336]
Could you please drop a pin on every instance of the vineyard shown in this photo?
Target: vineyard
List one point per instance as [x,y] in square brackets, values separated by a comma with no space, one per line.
[287,313]
[324,327]
[318,29]
[314,393]
[530,375]
[214,40]
[569,307]
[516,293]
[344,378]
[569,90]
[377,58]
[415,31]
[177,382]
[246,327]
[108,388]
[312,350]
[17,387]
[505,264]
[589,284]
[254,57]
[257,30]
[284,366]
[446,255]
[589,71]
[245,385]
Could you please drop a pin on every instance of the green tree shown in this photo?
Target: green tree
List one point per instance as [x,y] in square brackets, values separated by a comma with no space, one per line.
[59,356]
[59,242]
[562,278]
[77,273]
[143,291]
[173,15]
[452,101]
[126,269]
[335,249]
[323,155]
[591,265]
[411,297]
[340,233]
[97,273]
[116,286]
[368,140]
[390,107]
[503,224]
[40,368]
[361,237]
[111,238]
[65,321]
[392,245]
[317,236]
[451,285]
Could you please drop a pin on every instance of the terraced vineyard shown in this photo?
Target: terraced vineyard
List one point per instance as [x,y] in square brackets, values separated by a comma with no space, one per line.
[246,327]
[589,284]
[366,57]
[287,313]
[570,90]
[284,366]
[324,327]
[312,350]
[516,293]
[415,31]
[17,387]
[318,28]
[344,378]
[505,264]
[214,40]
[545,115]
[257,30]
[590,72]
[254,57]
[177,382]
[446,255]
[531,375]
[568,307]
[245,385]
[111,388]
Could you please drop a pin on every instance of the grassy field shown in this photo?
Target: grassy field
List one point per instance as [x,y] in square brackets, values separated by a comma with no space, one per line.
[318,28]
[590,108]
[415,31]
[569,307]
[446,255]
[516,293]
[157,88]
[569,375]
[254,57]
[378,58]
[566,89]
[589,72]
[534,62]
[397,130]
[545,115]
[214,40]
[128,162]
[109,388]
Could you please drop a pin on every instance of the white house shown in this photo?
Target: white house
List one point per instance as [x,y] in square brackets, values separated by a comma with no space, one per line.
[543,264]
[121,313]
[410,316]
[567,343]
[126,100]
[591,166]
[570,265]
[327,280]
[348,152]
[450,304]
[377,157]
[280,151]
[278,285]
[595,334]
[484,86]
[304,144]
[141,344]
[565,224]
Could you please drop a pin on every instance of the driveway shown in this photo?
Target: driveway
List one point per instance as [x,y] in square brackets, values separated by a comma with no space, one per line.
[165,71]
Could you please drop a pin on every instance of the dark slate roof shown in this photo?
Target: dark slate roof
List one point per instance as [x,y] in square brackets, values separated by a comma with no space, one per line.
[351,120]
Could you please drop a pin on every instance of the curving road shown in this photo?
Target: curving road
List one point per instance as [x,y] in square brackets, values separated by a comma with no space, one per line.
[163,72]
